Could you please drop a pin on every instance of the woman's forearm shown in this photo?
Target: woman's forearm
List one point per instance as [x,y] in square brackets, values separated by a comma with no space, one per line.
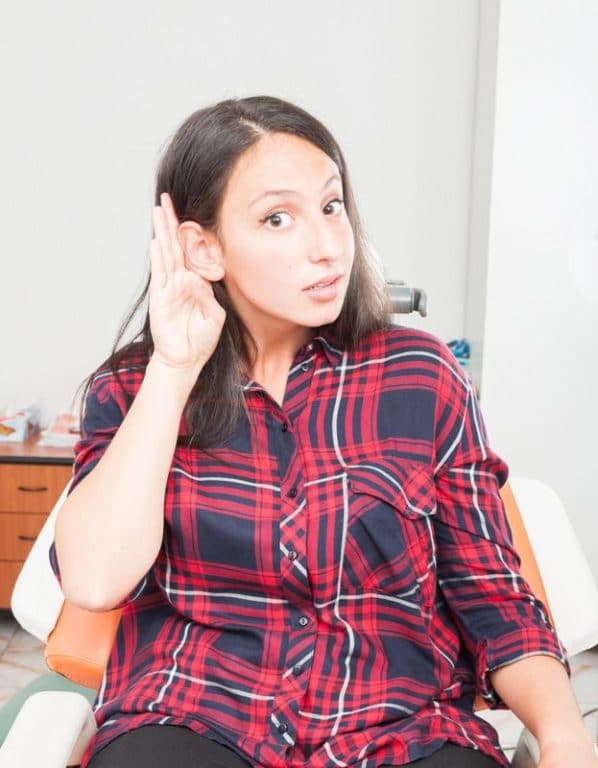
[538,691]
[109,529]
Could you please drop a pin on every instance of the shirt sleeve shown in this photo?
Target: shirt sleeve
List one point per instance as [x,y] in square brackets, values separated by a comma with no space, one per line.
[478,569]
[103,413]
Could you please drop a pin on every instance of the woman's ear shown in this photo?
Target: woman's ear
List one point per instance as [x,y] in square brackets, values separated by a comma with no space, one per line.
[201,250]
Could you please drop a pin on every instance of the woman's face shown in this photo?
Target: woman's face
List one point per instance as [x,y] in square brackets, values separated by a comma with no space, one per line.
[276,245]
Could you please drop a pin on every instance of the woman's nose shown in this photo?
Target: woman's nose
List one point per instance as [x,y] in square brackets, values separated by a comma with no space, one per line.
[324,242]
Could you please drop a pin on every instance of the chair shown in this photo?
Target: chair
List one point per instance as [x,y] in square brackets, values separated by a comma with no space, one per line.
[542,533]
[78,641]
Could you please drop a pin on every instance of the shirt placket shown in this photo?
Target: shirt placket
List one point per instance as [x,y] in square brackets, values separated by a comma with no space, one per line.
[301,624]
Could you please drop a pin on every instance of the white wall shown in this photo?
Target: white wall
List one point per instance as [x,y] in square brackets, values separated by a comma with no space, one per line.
[95,89]
[481,185]
[540,361]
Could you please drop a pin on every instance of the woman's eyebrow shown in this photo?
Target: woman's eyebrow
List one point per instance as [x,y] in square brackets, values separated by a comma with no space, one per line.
[290,191]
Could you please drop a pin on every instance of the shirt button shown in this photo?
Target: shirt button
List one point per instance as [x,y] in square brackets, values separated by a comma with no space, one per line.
[303,620]
[310,347]
[283,727]
[292,555]
[305,367]
[293,493]
[297,669]
[285,427]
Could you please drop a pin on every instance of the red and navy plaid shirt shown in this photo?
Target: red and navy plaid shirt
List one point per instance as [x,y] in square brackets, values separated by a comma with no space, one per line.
[335,584]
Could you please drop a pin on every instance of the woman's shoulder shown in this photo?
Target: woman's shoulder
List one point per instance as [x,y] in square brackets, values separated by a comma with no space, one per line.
[411,338]
[401,349]
[120,375]
[400,339]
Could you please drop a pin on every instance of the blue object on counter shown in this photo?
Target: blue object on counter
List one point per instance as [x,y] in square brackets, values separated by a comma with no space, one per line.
[460,348]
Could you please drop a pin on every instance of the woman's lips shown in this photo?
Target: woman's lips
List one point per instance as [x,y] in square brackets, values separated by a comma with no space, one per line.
[326,293]
[326,282]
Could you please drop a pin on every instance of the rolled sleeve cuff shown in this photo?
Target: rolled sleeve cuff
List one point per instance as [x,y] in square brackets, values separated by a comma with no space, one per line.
[499,651]
[139,589]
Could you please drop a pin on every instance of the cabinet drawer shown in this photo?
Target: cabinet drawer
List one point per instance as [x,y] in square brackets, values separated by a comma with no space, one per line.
[17,534]
[32,487]
[8,577]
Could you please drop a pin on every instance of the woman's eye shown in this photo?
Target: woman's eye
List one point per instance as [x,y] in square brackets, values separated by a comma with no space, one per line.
[336,200]
[274,218]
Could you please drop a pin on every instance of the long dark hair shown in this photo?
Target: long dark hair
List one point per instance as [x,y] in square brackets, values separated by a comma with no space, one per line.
[194,169]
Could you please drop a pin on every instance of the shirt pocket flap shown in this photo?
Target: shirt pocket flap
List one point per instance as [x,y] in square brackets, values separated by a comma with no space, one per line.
[406,485]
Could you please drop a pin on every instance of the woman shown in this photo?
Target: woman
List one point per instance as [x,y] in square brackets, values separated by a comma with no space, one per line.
[293,500]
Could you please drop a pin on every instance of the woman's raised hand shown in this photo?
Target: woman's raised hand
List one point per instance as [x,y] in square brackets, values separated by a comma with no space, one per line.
[185,319]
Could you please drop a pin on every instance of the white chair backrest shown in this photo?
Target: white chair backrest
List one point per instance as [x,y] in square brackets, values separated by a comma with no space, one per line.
[37,599]
[570,586]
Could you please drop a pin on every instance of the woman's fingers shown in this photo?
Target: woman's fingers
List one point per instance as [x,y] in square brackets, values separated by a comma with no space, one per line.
[158,275]
[163,236]
[172,223]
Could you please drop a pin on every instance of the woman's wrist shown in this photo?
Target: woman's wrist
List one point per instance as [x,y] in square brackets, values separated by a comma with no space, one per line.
[176,380]
[561,733]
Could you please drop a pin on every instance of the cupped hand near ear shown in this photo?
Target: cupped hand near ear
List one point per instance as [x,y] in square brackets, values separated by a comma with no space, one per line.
[186,320]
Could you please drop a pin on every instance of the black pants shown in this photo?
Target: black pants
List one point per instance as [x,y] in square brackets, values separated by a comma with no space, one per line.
[154,746]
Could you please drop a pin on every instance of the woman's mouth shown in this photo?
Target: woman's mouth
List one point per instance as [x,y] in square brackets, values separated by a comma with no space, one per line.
[323,284]
[325,290]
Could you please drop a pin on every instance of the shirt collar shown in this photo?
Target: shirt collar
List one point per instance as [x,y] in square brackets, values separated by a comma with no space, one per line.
[325,338]
[330,343]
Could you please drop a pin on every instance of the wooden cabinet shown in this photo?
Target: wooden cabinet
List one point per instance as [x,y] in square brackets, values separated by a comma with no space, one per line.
[32,477]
